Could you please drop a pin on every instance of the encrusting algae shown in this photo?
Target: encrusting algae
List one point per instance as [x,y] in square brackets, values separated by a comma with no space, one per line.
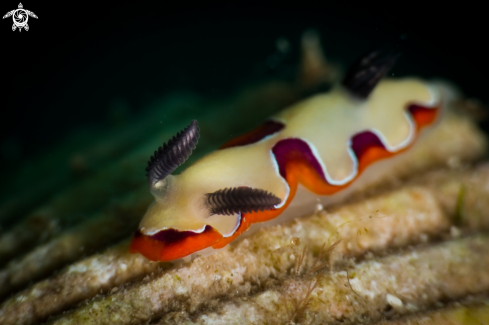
[404,246]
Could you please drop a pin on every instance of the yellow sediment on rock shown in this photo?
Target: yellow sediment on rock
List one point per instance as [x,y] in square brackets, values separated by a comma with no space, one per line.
[79,281]
[113,224]
[470,313]
[406,283]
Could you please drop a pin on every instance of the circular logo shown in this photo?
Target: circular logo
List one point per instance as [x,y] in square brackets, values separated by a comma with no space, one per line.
[20,17]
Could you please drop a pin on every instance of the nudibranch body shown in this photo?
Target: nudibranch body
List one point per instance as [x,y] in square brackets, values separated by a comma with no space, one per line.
[322,143]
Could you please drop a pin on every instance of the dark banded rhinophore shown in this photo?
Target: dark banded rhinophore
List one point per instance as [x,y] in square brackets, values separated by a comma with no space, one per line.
[172,154]
[365,73]
[230,201]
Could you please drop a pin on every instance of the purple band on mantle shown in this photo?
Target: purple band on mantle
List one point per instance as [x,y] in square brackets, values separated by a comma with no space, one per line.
[360,142]
[295,149]
[268,128]
[171,236]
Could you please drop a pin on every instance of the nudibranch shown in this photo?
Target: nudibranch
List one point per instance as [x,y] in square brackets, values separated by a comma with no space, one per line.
[322,144]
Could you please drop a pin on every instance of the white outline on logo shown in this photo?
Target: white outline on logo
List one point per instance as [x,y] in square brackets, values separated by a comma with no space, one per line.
[20,17]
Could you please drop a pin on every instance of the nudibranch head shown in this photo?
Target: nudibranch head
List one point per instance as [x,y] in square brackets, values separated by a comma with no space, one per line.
[324,143]
[205,203]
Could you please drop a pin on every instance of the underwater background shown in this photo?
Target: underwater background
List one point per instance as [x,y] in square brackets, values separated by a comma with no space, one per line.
[92,64]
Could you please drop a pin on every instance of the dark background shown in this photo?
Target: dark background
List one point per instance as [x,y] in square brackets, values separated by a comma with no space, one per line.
[80,57]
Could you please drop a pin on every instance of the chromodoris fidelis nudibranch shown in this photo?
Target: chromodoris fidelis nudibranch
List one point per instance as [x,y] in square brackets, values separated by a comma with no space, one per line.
[323,143]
